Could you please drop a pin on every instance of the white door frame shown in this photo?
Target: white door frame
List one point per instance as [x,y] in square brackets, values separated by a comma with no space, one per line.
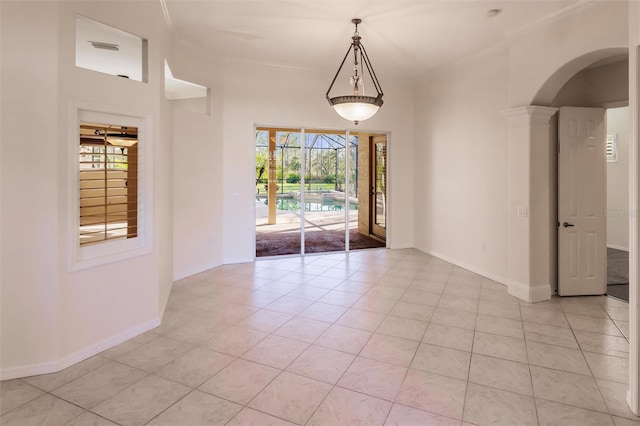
[633,398]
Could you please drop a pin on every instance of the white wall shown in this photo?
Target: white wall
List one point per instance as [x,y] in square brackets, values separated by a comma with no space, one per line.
[197,165]
[51,316]
[461,183]
[29,276]
[262,95]
[618,181]
[543,58]
[461,139]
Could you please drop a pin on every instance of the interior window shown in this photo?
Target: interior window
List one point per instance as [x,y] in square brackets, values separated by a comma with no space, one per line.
[108,182]
[106,49]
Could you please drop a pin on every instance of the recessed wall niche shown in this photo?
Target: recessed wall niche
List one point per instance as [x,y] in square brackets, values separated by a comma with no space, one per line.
[108,50]
[188,95]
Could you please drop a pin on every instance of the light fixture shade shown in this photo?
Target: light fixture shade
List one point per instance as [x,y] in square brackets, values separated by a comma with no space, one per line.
[356,108]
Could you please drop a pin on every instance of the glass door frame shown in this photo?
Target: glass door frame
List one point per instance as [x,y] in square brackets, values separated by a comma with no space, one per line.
[375,229]
[347,156]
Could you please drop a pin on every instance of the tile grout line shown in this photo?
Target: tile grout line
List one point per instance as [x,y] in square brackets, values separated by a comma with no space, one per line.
[410,363]
[239,357]
[392,263]
[473,341]
[604,401]
[526,349]
[284,369]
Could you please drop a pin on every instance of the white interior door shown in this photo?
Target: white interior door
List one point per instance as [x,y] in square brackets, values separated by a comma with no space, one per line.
[581,202]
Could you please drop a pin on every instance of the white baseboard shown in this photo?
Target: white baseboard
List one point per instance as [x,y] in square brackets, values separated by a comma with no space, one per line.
[400,246]
[81,355]
[613,246]
[196,270]
[468,267]
[530,294]
[519,290]
[233,261]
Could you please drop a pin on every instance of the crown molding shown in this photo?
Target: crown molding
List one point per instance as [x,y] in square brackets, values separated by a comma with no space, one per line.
[554,16]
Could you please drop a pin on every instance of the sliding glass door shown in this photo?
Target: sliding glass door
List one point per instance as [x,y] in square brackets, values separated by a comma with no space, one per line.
[278,189]
[327,201]
[307,192]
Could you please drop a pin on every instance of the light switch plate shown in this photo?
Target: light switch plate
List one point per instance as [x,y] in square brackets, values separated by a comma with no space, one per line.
[523,211]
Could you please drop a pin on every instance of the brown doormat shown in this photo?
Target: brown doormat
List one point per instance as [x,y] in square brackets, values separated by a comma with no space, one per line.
[287,242]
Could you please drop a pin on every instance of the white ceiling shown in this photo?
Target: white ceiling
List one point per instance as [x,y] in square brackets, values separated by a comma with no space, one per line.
[404,38]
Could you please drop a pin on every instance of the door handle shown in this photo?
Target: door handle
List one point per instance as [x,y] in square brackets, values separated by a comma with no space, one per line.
[566,224]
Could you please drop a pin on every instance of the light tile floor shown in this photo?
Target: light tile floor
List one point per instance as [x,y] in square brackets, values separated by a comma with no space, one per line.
[374,337]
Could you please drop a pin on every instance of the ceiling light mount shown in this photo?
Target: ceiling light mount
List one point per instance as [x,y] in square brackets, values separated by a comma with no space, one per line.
[357,106]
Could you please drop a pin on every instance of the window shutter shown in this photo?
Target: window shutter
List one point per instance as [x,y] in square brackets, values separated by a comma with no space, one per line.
[108,158]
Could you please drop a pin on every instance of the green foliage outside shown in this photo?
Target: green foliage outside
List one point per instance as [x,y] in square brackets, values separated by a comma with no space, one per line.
[284,188]
[262,164]
[324,169]
[293,178]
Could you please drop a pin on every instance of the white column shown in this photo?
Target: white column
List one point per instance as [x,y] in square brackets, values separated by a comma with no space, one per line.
[531,206]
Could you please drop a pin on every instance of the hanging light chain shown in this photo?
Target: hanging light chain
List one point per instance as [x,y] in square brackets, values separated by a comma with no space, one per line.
[356,80]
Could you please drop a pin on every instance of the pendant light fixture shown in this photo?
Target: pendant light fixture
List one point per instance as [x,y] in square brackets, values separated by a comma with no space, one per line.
[357,106]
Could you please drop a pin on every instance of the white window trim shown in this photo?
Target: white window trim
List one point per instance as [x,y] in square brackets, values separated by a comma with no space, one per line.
[117,250]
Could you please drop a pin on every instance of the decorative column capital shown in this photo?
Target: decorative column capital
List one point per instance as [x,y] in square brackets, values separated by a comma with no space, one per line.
[530,114]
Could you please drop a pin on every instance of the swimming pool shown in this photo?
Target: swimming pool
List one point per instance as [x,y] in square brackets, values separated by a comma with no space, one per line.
[327,205]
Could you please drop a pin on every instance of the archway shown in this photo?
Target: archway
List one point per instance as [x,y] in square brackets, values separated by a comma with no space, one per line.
[554,84]
[533,131]
[533,178]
